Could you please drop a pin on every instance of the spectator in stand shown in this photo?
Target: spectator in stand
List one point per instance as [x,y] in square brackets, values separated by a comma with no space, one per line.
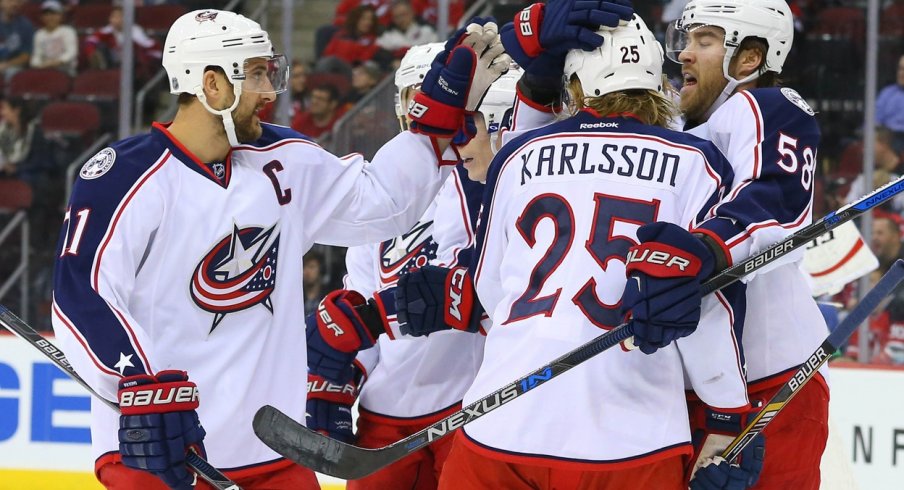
[322,113]
[298,91]
[55,44]
[16,37]
[364,78]
[890,108]
[312,276]
[357,41]
[103,48]
[886,327]
[427,10]
[23,152]
[888,166]
[382,8]
[405,30]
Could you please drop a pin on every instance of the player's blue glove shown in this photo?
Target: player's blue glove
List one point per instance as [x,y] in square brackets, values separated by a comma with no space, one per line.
[663,292]
[159,425]
[329,407]
[718,474]
[432,299]
[341,326]
[559,26]
[458,79]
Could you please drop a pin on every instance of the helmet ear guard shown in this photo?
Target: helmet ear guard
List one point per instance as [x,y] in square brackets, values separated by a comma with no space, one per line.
[411,72]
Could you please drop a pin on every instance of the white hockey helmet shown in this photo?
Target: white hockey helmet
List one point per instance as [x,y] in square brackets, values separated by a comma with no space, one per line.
[630,58]
[227,40]
[411,72]
[498,103]
[770,20]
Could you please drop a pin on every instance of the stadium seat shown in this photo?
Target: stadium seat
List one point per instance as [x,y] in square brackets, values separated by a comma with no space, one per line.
[843,22]
[39,84]
[891,20]
[14,195]
[32,12]
[341,82]
[157,19]
[95,85]
[90,17]
[70,120]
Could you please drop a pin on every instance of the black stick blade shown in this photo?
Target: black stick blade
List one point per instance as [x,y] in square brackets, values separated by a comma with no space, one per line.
[312,449]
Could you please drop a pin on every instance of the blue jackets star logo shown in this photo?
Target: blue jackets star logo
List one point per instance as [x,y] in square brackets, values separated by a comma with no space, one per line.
[237,273]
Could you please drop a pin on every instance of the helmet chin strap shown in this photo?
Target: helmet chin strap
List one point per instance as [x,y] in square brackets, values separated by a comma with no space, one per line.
[226,114]
[730,87]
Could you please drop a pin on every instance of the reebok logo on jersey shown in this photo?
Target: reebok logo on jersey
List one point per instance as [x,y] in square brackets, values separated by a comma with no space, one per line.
[599,125]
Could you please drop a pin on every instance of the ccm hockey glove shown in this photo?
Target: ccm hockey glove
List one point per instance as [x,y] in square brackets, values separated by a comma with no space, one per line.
[159,425]
[432,299]
[329,406]
[718,474]
[711,472]
[663,292]
[342,325]
[458,79]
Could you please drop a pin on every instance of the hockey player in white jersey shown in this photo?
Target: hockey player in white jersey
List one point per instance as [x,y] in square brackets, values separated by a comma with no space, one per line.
[179,264]
[563,207]
[410,382]
[731,53]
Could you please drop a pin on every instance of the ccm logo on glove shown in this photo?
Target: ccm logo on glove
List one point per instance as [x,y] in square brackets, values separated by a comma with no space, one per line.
[663,261]
[456,284]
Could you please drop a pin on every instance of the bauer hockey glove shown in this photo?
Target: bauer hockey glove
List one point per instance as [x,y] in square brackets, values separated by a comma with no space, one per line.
[432,299]
[541,36]
[458,80]
[159,424]
[663,293]
[329,406]
[342,325]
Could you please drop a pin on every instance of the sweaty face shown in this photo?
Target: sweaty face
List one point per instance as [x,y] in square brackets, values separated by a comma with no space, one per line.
[478,153]
[701,69]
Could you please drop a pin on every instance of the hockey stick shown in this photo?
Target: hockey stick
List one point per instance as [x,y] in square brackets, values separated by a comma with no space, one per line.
[325,455]
[809,368]
[15,325]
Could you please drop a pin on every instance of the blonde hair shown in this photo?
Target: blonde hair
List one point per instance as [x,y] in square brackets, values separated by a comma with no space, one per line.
[652,107]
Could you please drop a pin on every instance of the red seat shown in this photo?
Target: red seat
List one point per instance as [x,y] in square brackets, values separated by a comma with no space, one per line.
[843,22]
[14,195]
[850,163]
[157,19]
[891,20]
[96,85]
[39,84]
[32,12]
[90,17]
[70,119]
[341,82]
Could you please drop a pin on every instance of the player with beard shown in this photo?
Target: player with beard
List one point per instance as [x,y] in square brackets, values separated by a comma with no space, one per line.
[731,53]
[181,251]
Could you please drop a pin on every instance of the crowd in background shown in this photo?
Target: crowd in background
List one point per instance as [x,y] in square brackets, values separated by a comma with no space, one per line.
[358,48]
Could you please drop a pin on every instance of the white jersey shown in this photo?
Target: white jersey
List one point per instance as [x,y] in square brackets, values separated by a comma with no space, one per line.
[562,208]
[412,377]
[770,136]
[171,263]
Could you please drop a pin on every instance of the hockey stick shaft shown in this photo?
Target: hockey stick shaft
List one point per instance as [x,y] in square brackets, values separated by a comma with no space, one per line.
[808,369]
[15,325]
[325,455]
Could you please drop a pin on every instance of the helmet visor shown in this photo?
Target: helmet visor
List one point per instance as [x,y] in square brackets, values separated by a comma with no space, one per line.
[691,38]
[266,74]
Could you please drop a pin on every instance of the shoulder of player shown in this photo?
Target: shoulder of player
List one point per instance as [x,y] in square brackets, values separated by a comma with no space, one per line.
[771,102]
[274,135]
[124,161]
